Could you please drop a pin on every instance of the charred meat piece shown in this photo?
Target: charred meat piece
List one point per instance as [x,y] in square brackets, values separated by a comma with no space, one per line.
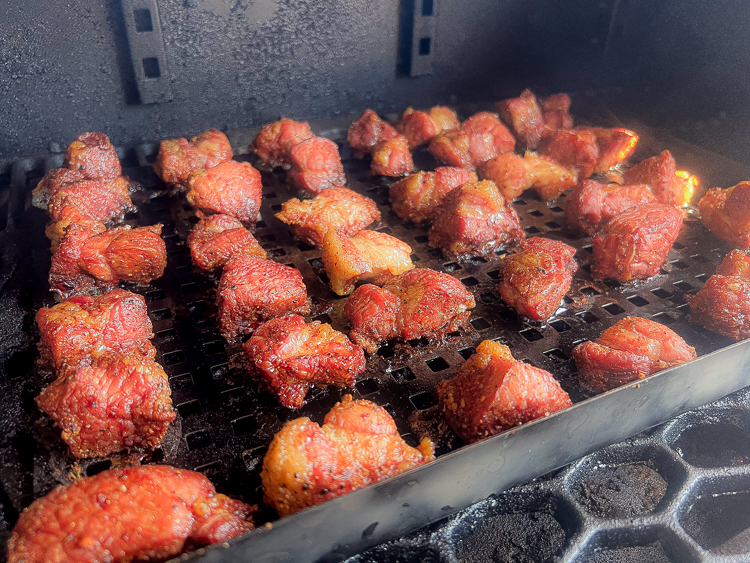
[150,512]
[591,204]
[357,445]
[420,302]
[113,404]
[316,165]
[338,209]
[51,183]
[291,356]
[513,175]
[632,349]
[418,197]
[555,110]
[217,238]
[670,186]
[727,213]
[723,303]
[492,392]
[537,278]
[480,138]
[85,328]
[524,116]
[94,157]
[367,256]
[275,142]
[392,158]
[634,244]
[572,148]
[230,188]
[106,201]
[615,145]
[253,290]
[421,127]
[178,158]
[367,132]
[475,219]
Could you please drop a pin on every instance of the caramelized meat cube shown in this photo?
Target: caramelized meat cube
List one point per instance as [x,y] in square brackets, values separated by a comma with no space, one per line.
[217,238]
[634,244]
[178,158]
[275,142]
[492,392]
[94,157]
[292,356]
[537,278]
[51,183]
[367,132]
[555,110]
[632,349]
[475,219]
[421,127]
[94,259]
[106,201]
[418,197]
[524,116]
[392,158]
[513,175]
[367,256]
[452,147]
[572,148]
[480,138]
[338,209]
[149,512]
[116,403]
[723,303]
[659,173]
[231,188]
[727,213]
[615,145]
[316,165]
[253,290]
[591,204]
[86,328]
[418,303]
[357,445]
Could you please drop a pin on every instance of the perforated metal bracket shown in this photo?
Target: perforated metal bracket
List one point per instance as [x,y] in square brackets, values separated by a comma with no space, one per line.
[147,50]
[423,37]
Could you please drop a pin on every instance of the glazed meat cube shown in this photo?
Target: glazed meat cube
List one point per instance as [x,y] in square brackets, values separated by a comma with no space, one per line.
[253,290]
[149,512]
[85,328]
[230,188]
[492,392]
[106,201]
[658,172]
[116,403]
[217,238]
[291,356]
[615,145]
[513,175]
[727,213]
[51,183]
[555,110]
[572,148]
[316,165]
[418,197]
[475,219]
[367,132]
[591,204]
[524,116]
[632,349]
[392,158]
[420,302]
[634,244]
[178,158]
[94,157]
[480,138]
[275,142]
[93,259]
[723,303]
[338,209]
[367,256]
[421,127]
[357,445]
[537,278]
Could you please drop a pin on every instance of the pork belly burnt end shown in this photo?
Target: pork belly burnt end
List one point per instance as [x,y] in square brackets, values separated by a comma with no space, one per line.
[631,349]
[316,165]
[106,201]
[727,213]
[475,219]
[513,175]
[615,146]
[492,392]
[555,110]
[418,197]
[51,183]
[572,148]
[480,138]
[151,512]
[392,158]
[85,328]
[418,303]
[231,188]
[217,238]
[525,118]
[94,157]
[357,445]
[339,209]
[274,143]
[178,158]
[367,132]
[660,173]
[113,404]
[367,256]
[421,127]
[253,290]
[634,244]
[537,278]
[592,204]
[291,356]
[723,303]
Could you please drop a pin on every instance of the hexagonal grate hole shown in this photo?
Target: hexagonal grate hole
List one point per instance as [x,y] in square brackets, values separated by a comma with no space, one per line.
[715,519]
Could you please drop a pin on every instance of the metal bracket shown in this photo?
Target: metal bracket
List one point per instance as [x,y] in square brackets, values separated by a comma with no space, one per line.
[423,37]
[147,50]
